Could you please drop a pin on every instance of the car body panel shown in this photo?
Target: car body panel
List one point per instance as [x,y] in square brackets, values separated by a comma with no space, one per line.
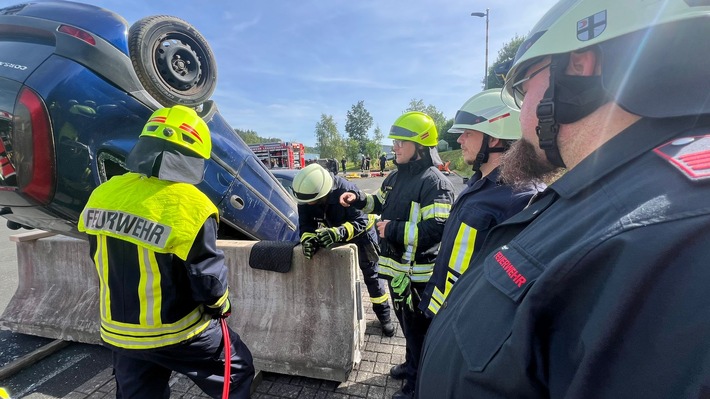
[99,21]
[97,109]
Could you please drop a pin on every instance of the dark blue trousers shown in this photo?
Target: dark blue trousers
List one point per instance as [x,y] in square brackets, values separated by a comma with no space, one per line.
[145,373]
[376,289]
[414,326]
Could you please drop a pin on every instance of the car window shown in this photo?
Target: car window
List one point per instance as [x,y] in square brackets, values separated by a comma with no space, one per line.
[287,183]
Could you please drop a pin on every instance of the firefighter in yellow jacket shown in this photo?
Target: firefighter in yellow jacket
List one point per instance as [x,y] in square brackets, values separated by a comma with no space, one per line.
[163,282]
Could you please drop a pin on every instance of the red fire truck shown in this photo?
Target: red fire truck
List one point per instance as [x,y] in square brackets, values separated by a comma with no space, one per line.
[281,155]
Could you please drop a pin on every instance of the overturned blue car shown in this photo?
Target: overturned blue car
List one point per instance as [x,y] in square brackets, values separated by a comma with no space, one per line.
[77,84]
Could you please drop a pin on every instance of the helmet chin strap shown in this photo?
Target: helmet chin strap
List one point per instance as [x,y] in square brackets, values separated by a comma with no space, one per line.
[547,126]
[567,100]
[484,152]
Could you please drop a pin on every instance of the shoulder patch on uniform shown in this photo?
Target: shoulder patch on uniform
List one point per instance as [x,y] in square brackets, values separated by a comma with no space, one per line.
[690,155]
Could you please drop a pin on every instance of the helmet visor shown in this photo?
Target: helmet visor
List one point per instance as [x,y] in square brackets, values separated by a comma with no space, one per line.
[467,118]
[398,131]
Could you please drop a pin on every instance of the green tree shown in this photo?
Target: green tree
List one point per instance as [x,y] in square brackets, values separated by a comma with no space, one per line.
[505,55]
[416,105]
[449,138]
[358,123]
[352,151]
[251,137]
[328,140]
[373,148]
[432,111]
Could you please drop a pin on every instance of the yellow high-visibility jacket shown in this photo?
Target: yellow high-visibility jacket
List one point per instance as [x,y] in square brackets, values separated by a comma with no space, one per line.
[154,246]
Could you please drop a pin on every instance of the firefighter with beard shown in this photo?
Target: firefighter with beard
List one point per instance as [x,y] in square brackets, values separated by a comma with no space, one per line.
[486,128]
[163,281]
[598,289]
[414,203]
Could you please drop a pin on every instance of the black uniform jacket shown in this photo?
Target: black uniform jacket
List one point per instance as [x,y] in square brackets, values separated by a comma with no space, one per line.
[414,185]
[332,214]
[483,204]
[598,289]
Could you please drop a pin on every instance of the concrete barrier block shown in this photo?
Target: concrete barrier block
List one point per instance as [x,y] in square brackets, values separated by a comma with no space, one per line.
[306,322]
[57,292]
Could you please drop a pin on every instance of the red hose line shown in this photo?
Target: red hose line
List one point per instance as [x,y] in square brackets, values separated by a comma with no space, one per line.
[227,357]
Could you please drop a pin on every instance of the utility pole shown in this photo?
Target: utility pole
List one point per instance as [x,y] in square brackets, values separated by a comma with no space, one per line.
[485,72]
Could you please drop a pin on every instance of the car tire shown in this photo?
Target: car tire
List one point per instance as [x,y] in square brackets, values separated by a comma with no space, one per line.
[173,60]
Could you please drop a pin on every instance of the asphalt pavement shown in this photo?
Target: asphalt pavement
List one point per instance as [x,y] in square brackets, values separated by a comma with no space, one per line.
[79,371]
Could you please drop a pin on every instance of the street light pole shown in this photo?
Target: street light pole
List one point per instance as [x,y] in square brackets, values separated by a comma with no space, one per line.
[485,73]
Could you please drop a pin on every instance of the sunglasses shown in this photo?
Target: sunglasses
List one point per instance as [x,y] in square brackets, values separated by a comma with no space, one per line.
[398,143]
[517,88]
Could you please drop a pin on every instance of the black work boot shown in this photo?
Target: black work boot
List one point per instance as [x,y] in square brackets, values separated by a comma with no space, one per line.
[387,328]
[399,372]
[407,392]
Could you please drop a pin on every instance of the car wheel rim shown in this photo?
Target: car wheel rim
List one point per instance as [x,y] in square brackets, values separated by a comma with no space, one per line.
[177,64]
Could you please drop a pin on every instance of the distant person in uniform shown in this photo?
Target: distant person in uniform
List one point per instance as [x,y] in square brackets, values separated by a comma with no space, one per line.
[343,163]
[383,163]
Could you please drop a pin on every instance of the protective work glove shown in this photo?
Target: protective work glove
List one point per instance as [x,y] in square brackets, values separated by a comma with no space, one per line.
[219,312]
[330,236]
[402,292]
[309,244]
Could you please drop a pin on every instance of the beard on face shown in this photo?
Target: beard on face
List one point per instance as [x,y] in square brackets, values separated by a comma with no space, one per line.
[521,166]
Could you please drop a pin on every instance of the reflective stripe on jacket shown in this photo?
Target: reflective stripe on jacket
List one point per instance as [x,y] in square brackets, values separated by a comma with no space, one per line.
[416,199]
[483,204]
[153,244]
[161,215]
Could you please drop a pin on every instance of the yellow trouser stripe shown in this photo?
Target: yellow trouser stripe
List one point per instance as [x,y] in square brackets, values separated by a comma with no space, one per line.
[380,299]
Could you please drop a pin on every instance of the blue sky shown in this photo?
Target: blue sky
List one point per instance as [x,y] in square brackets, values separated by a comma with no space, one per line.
[281,64]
